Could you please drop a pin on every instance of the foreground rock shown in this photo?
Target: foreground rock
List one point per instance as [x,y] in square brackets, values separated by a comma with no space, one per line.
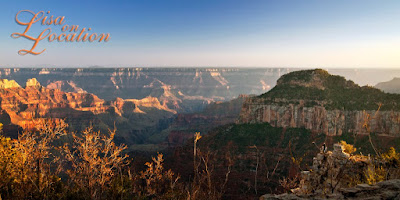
[384,190]
[334,175]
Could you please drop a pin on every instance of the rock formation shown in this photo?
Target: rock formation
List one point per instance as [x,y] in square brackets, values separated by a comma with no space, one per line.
[331,171]
[319,119]
[32,83]
[181,89]
[383,190]
[5,84]
[22,105]
[326,104]
[66,86]
[332,175]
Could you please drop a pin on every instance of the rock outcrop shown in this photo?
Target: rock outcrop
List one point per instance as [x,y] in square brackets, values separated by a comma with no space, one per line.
[22,105]
[32,83]
[5,84]
[182,89]
[326,104]
[319,119]
[66,86]
[332,176]
[332,171]
[383,190]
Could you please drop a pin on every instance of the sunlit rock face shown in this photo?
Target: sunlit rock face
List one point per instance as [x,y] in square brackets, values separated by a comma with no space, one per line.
[317,118]
[66,86]
[141,101]
[22,105]
[181,89]
[33,101]
[5,84]
[32,83]
[323,103]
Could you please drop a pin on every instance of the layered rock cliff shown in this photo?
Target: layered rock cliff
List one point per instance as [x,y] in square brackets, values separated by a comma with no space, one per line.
[182,89]
[5,83]
[324,103]
[66,86]
[22,105]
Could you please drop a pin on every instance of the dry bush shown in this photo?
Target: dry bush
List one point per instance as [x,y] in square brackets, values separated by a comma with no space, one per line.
[289,183]
[391,164]
[29,165]
[207,183]
[384,167]
[348,148]
[91,165]
[92,162]
[41,164]
[374,174]
[10,162]
[157,182]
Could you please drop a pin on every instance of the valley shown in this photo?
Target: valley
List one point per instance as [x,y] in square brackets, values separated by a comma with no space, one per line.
[148,107]
[163,107]
[260,125]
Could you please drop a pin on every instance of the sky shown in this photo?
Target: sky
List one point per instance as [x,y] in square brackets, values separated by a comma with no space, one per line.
[211,33]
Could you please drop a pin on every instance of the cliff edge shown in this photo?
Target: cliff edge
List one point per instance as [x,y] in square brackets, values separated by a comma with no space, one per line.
[321,102]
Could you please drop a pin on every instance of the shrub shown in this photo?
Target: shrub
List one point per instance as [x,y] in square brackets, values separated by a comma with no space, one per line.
[92,160]
[348,148]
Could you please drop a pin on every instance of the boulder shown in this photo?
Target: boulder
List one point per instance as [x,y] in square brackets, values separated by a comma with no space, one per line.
[32,83]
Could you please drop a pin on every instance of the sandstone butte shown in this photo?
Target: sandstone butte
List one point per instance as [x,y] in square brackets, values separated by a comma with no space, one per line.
[5,84]
[324,103]
[22,105]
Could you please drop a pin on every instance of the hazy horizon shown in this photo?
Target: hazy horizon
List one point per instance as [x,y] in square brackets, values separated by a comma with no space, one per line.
[361,76]
[55,66]
[307,34]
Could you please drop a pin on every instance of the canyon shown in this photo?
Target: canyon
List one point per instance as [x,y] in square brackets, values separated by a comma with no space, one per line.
[181,89]
[160,110]
[167,105]
[161,107]
[23,105]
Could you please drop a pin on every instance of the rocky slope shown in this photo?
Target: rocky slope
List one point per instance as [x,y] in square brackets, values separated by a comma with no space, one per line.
[21,105]
[324,103]
[66,86]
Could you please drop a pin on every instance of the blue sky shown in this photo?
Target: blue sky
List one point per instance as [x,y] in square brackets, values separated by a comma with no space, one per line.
[248,33]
